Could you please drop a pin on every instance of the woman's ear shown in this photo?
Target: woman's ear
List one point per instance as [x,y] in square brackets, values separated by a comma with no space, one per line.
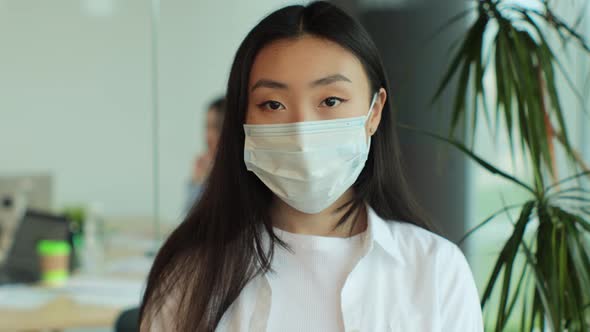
[375,119]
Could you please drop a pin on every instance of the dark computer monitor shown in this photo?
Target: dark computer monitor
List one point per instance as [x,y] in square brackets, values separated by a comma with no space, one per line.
[21,264]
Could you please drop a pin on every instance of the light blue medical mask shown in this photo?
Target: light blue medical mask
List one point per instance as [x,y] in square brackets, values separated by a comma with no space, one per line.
[309,165]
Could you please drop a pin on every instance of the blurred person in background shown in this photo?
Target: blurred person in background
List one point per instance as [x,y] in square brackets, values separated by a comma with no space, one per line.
[203,162]
[128,319]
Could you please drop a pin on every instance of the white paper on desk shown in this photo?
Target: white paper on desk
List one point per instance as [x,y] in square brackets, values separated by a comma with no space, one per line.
[105,291]
[23,297]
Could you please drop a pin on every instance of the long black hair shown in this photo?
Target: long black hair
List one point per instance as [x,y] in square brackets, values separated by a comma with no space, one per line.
[219,248]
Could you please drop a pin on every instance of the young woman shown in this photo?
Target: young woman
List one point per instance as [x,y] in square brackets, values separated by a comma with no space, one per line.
[306,223]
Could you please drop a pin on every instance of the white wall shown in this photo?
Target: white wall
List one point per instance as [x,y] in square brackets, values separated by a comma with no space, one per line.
[75,94]
[74,100]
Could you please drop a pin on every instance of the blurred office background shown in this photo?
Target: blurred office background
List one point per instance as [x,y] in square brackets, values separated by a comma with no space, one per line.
[102,108]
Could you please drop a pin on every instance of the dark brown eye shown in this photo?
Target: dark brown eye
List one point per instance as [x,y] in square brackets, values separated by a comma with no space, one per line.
[332,101]
[271,105]
[274,105]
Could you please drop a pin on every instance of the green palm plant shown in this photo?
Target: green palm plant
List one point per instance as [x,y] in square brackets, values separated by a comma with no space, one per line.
[551,289]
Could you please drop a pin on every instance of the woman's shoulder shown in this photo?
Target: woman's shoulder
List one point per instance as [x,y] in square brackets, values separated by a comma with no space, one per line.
[450,274]
[420,249]
[412,238]
[441,264]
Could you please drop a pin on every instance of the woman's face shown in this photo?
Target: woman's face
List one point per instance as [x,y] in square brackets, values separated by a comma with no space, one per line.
[309,79]
[213,129]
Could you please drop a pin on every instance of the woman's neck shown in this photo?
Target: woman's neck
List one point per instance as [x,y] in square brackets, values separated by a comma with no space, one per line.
[294,221]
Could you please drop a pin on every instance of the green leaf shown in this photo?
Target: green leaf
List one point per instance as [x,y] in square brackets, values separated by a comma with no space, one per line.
[470,154]
[487,220]
[580,258]
[453,20]
[518,292]
[534,118]
[575,198]
[518,70]
[525,300]
[583,223]
[541,294]
[480,65]
[547,261]
[559,24]
[550,57]
[579,276]
[570,82]
[459,105]
[536,310]
[506,258]
[461,56]
[568,190]
[504,88]
[567,179]
[457,60]
[562,265]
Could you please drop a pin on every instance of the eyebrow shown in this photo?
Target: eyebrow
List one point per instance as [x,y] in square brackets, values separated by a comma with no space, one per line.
[330,79]
[266,83]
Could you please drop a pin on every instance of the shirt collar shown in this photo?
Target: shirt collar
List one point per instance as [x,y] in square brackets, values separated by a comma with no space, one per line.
[378,231]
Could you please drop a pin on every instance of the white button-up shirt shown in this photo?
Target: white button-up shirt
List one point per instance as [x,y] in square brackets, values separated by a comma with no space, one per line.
[408,279]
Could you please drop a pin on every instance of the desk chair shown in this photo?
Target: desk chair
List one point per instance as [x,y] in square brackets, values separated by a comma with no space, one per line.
[128,321]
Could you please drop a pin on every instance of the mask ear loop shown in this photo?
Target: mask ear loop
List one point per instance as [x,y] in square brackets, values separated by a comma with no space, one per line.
[371,110]
[367,119]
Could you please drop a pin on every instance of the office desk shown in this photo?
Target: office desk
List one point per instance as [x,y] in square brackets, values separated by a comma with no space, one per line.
[60,314]
[126,240]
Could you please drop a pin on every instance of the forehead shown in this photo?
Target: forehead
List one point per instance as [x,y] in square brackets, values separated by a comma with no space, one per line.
[304,59]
